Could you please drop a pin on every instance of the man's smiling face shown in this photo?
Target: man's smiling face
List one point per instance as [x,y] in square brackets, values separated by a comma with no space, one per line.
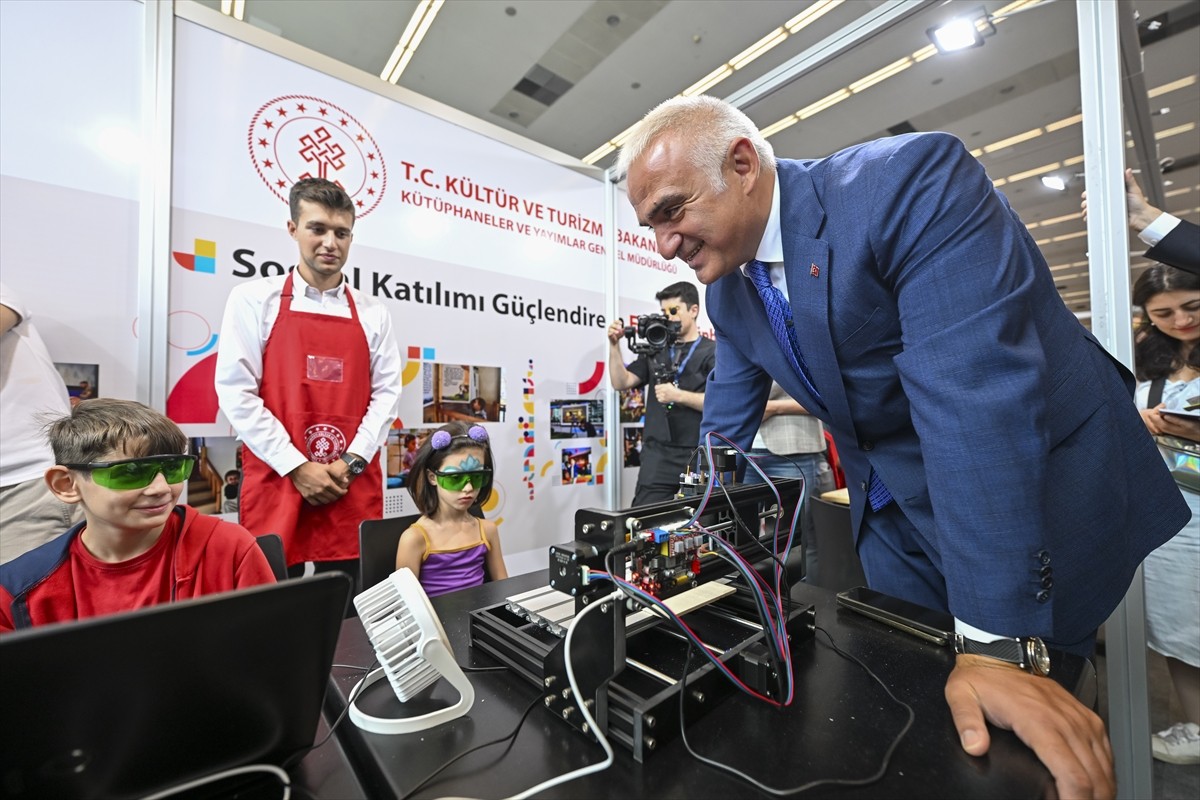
[713,231]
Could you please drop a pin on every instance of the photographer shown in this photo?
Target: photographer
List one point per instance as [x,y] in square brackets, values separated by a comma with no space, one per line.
[676,362]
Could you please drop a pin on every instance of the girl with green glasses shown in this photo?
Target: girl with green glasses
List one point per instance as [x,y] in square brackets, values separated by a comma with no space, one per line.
[451,547]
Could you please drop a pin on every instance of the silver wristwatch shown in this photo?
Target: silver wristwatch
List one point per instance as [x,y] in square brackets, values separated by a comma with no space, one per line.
[357,465]
[1027,652]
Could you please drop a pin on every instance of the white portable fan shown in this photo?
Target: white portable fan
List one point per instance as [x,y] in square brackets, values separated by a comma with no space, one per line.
[413,650]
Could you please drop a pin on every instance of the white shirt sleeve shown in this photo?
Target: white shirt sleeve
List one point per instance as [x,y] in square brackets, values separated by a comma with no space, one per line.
[1156,231]
[239,374]
[975,634]
[386,365]
[14,304]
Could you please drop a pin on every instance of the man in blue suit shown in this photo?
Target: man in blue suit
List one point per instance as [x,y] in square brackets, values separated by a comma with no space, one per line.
[998,468]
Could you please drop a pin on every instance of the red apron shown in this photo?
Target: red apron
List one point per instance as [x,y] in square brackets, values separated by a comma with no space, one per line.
[316,380]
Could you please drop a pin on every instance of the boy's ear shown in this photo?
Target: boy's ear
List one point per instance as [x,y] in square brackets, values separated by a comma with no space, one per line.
[62,483]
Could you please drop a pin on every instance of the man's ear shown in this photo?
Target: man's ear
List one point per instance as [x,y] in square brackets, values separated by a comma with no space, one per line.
[291,228]
[63,484]
[743,160]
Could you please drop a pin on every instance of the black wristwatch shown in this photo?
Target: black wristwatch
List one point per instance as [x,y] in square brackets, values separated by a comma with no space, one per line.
[357,465]
[1027,652]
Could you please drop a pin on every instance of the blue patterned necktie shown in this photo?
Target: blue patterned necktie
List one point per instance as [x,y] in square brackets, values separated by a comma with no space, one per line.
[779,315]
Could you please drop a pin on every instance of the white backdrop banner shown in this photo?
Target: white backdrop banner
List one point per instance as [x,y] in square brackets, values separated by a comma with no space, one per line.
[488,257]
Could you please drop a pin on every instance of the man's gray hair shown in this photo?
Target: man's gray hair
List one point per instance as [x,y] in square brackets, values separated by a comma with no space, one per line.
[707,125]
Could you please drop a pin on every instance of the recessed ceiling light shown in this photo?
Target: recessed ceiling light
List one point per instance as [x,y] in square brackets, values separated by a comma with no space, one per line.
[1054,182]
[513,115]
[635,85]
[512,12]
[613,20]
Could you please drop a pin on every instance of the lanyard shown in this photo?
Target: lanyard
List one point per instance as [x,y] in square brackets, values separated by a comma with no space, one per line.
[683,363]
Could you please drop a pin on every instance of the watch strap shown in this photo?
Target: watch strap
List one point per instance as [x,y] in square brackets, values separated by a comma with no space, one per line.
[1010,650]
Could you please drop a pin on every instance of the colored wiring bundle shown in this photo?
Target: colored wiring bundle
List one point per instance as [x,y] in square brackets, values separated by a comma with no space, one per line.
[658,606]
[773,602]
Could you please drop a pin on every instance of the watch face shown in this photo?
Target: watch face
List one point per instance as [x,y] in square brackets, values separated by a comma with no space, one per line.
[1039,656]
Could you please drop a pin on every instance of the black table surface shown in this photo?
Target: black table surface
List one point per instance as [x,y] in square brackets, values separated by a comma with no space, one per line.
[839,725]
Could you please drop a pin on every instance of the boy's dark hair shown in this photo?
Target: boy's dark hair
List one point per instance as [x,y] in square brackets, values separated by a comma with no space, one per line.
[233,473]
[685,291]
[95,429]
[424,494]
[1156,355]
[319,191]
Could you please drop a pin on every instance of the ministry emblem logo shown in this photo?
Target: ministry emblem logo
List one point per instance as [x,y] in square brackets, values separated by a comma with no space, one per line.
[299,136]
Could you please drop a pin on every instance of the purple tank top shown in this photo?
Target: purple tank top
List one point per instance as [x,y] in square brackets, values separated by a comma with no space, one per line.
[443,571]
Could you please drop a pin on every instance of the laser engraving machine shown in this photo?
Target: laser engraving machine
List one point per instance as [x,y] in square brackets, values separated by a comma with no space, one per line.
[704,583]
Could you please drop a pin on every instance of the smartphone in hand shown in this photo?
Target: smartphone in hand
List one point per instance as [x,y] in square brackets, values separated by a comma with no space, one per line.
[932,626]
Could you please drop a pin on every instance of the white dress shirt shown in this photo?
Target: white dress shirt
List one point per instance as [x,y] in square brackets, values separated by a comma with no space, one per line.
[250,314]
[30,389]
[1157,230]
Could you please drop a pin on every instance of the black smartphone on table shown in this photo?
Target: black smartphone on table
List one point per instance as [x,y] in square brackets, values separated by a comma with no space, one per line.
[933,626]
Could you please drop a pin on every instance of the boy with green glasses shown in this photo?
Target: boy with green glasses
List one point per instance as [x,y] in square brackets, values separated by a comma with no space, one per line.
[125,465]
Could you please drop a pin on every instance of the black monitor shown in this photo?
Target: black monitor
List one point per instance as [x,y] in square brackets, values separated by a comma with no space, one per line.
[126,705]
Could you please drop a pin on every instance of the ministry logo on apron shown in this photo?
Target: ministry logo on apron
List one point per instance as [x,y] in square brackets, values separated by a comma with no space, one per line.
[324,443]
[298,136]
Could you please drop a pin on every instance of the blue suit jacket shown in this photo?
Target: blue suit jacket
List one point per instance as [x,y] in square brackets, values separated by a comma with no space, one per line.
[1179,248]
[947,363]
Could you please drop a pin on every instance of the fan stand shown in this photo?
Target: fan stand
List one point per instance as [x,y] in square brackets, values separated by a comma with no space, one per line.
[412,647]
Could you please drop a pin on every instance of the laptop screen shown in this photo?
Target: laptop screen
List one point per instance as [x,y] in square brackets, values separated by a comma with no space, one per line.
[126,705]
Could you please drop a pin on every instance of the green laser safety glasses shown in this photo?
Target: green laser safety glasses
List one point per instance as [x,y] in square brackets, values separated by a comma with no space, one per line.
[456,481]
[138,473]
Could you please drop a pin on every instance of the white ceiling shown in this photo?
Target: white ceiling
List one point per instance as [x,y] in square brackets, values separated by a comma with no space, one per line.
[625,56]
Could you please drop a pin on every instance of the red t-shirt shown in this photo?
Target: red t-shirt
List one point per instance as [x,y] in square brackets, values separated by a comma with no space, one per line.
[101,587]
[84,586]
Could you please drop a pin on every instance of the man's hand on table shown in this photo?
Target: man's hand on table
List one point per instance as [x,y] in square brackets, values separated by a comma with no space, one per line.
[1067,737]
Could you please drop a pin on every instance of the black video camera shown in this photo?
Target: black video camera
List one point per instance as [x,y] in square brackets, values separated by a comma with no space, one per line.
[657,332]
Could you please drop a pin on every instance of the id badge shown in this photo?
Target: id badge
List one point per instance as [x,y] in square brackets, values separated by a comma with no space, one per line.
[325,368]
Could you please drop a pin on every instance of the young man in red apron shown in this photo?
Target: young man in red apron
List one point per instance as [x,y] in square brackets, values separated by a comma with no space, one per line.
[308,374]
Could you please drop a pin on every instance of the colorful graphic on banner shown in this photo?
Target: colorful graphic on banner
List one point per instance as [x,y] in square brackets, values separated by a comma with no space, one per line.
[300,136]
[527,430]
[590,383]
[202,259]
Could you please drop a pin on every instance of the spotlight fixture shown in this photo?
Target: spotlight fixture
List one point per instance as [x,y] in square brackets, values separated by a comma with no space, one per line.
[1054,182]
[962,32]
